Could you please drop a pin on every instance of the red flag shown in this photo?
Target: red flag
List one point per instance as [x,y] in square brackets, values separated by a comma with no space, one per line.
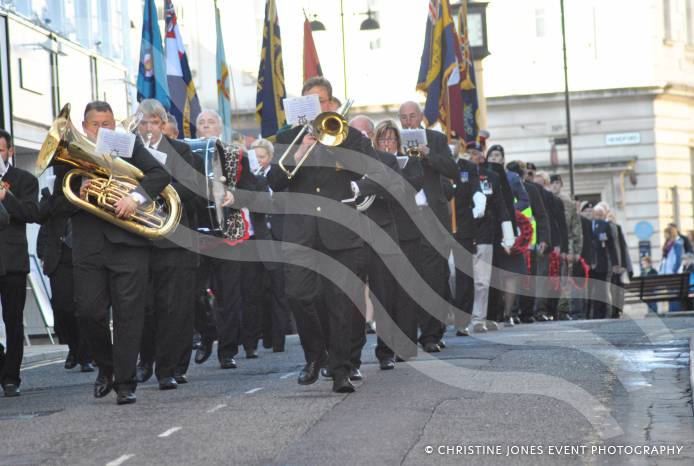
[311,62]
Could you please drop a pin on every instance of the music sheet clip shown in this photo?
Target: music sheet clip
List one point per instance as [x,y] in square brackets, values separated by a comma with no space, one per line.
[413,137]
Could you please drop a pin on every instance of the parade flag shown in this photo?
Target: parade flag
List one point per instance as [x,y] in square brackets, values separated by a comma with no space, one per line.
[468,81]
[270,91]
[185,105]
[223,80]
[439,62]
[151,76]
[311,61]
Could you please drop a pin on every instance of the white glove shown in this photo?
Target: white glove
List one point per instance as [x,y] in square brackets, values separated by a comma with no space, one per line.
[507,231]
[479,201]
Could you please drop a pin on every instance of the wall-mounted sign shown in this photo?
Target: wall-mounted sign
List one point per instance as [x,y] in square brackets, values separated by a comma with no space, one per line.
[622,139]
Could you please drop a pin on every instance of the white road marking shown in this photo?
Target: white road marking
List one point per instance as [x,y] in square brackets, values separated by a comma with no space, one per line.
[286,376]
[253,390]
[169,432]
[119,461]
[216,408]
[42,364]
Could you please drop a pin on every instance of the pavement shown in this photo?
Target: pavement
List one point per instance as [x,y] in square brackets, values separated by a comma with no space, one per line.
[588,392]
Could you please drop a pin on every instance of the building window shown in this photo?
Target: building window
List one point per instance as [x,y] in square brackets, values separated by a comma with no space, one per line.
[667,18]
[540,22]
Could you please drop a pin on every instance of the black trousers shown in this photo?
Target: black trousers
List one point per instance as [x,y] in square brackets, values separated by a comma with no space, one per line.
[617,305]
[204,314]
[252,310]
[68,327]
[275,307]
[464,283]
[434,271]
[225,281]
[598,295]
[401,310]
[310,295]
[13,291]
[117,276]
[167,338]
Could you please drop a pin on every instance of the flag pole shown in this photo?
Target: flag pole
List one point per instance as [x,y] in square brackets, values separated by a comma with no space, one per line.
[344,55]
[454,222]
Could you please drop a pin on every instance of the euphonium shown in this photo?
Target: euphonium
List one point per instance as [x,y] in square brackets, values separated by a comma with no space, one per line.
[111,180]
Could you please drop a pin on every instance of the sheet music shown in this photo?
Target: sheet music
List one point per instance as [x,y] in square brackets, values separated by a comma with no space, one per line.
[301,110]
[159,155]
[115,144]
[413,137]
[253,161]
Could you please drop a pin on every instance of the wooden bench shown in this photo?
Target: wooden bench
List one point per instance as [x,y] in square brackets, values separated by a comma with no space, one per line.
[655,288]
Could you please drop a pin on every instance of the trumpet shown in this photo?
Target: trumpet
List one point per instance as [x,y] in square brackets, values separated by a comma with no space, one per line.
[329,128]
[412,150]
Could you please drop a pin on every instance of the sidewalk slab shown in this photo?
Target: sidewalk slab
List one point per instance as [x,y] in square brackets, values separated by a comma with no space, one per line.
[41,353]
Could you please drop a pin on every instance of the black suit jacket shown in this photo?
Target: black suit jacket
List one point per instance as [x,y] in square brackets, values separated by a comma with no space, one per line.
[21,203]
[552,217]
[54,214]
[587,250]
[406,209]
[438,163]
[185,171]
[90,232]
[381,211]
[467,184]
[539,213]
[604,246]
[496,213]
[328,173]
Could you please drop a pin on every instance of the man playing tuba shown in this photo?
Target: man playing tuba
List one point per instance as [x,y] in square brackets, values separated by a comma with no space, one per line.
[111,267]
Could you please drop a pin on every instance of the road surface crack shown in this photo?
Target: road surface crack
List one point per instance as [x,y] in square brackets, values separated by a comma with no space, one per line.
[424,426]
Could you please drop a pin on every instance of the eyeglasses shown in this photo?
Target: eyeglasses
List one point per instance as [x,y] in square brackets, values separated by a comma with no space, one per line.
[383,140]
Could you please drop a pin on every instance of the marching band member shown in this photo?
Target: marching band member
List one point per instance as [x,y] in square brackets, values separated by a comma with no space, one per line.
[19,198]
[111,268]
[167,340]
[304,287]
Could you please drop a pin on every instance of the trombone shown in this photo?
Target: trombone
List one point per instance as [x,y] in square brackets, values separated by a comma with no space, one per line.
[329,128]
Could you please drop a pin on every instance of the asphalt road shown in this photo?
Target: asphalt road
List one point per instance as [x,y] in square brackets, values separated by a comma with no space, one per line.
[550,393]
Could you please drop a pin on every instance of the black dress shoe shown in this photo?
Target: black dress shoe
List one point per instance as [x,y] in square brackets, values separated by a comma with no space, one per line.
[144,372]
[252,354]
[542,318]
[386,364]
[227,363]
[70,361]
[87,367]
[309,374]
[126,397]
[11,390]
[355,374]
[326,373]
[462,333]
[181,379]
[442,344]
[343,385]
[527,320]
[168,383]
[516,320]
[432,348]
[203,353]
[103,384]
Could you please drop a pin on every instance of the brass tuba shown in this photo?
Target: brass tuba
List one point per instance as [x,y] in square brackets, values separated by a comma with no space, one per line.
[112,179]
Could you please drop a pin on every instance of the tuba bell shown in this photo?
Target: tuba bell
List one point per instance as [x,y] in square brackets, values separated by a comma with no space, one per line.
[111,180]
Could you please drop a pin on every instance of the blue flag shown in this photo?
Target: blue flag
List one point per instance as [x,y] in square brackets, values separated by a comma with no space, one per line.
[223,80]
[468,82]
[185,105]
[439,62]
[151,76]
[269,108]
